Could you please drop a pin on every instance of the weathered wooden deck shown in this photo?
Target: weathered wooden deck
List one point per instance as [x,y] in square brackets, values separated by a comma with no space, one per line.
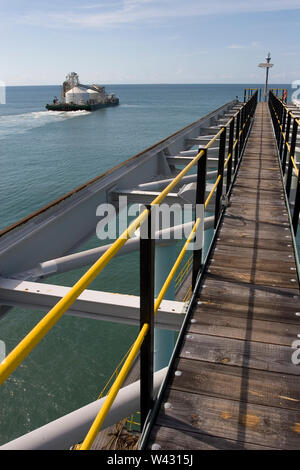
[235,385]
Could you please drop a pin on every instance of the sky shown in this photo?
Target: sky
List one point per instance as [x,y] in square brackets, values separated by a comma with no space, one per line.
[148,41]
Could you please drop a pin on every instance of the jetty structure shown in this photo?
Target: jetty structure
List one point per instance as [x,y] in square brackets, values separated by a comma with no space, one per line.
[232,378]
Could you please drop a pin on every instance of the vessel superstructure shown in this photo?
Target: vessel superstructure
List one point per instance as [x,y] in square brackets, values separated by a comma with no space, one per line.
[78,97]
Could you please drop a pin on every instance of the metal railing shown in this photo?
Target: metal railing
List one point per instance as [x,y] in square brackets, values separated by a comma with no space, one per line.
[280,92]
[249,92]
[237,128]
[286,128]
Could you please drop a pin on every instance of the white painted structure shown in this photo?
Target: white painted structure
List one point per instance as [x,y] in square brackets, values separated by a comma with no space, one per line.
[77,95]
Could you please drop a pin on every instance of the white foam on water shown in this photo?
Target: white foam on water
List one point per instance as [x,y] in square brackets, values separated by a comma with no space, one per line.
[124,105]
[20,123]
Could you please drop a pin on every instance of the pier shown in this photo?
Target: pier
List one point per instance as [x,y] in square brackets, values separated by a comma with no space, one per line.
[233,378]
[233,384]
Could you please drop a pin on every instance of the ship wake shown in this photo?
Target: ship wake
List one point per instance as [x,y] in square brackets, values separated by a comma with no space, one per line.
[21,123]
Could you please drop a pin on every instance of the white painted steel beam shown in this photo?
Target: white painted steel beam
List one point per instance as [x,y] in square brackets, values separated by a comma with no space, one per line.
[212,162]
[93,304]
[65,432]
[144,197]
[87,257]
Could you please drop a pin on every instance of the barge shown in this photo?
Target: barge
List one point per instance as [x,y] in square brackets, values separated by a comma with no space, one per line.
[78,97]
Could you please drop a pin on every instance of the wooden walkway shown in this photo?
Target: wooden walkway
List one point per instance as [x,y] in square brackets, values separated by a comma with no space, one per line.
[234,385]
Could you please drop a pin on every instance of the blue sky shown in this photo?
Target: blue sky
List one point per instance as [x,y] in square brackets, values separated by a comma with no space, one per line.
[148,41]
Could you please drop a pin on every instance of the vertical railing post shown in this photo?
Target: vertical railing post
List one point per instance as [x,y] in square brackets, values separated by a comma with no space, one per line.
[296,206]
[200,200]
[292,154]
[230,151]
[147,251]
[242,133]
[285,150]
[282,139]
[280,123]
[237,132]
[297,198]
[220,172]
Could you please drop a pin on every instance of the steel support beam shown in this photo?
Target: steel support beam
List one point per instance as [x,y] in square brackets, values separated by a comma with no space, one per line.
[65,432]
[86,257]
[98,305]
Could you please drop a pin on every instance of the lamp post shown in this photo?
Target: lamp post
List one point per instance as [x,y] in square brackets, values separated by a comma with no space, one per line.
[267,66]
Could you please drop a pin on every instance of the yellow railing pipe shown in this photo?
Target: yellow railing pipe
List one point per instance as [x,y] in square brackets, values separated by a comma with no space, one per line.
[175,267]
[176,180]
[18,354]
[90,437]
[212,191]
[99,420]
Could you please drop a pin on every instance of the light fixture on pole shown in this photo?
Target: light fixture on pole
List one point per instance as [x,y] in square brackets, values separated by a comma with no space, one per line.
[267,66]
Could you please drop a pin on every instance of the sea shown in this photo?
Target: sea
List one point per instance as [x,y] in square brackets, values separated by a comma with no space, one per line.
[43,155]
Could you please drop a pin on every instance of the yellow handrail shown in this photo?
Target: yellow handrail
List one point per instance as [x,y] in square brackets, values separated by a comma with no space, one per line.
[175,267]
[90,437]
[295,166]
[227,160]
[284,133]
[18,354]
[212,191]
[176,180]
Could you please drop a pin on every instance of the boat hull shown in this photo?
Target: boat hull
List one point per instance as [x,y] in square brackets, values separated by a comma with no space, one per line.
[79,107]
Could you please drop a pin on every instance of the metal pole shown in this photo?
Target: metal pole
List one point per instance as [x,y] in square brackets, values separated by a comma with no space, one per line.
[292,154]
[267,75]
[287,136]
[147,247]
[237,133]
[220,172]
[200,200]
[296,207]
[230,151]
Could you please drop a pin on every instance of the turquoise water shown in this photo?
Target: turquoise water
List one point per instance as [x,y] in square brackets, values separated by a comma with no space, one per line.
[43,155]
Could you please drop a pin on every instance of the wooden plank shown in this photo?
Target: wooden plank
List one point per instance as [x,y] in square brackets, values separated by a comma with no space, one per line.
[266,164]
[241,184]
[255,424]
[258,213]
[238,299]
[246,240]
[245,327]
[258,201]
[252,386]
[241,353]
[257,182]
[262,196]
[270,175]
[241,227]
[254,276]
[176,439]
[251,258]
[238,223]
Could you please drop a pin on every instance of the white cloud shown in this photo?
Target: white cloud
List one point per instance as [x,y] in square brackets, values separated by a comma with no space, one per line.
[252,45]
[116,13]
[236,46]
